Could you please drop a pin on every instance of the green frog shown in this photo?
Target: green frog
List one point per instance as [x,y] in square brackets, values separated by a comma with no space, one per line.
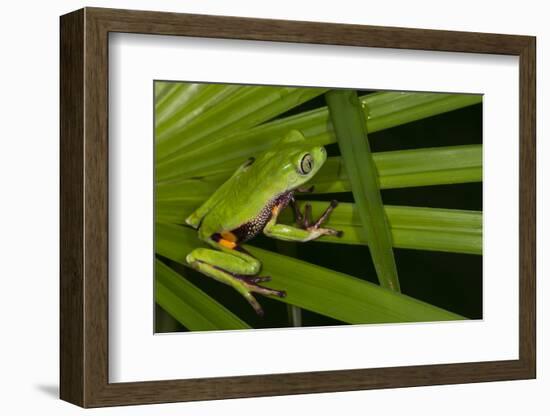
[248,204]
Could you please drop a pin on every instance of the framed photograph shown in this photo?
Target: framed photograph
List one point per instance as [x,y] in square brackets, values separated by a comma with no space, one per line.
[255,207]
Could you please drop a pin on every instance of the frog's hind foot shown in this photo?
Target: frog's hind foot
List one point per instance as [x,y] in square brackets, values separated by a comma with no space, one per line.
[255,288]
[252,279]
[251,283]
[238,271]
[251,286]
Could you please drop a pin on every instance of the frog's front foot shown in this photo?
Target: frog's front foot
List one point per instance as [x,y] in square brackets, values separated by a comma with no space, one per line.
[306,222]
[326,231]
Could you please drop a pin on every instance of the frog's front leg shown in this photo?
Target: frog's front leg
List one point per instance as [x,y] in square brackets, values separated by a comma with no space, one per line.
[310,231]
[234,267]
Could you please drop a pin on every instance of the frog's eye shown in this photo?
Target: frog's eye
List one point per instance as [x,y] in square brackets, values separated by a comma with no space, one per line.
[306,164]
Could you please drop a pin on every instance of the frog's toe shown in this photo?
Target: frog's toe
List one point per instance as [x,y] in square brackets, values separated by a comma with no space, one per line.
[255,279]
[279,293]
[266,291]
[255,305]
[331,231]
[254,288]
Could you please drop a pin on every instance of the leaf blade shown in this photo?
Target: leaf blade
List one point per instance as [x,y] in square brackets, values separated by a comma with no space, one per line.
[348,120]
[246,107]
[189,305]
[316,288]
[316,127]
[417,228]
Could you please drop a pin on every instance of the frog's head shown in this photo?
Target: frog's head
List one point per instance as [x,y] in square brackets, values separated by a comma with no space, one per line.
[297,162]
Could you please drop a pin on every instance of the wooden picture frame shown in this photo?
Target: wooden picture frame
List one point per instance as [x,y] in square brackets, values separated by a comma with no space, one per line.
[84,207]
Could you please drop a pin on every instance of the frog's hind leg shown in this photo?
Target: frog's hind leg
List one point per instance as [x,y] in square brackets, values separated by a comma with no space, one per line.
[236,269]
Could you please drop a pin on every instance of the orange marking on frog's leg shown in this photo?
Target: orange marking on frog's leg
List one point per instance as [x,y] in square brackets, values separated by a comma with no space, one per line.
[229,236]
[227,243]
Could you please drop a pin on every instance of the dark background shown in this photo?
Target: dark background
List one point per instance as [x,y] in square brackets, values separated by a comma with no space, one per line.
[448,280]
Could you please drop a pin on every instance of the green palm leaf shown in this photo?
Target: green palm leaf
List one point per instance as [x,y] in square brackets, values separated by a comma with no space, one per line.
[349,124]
[204,131]
[189,305]
[436,229]
[315,288]
[387,109]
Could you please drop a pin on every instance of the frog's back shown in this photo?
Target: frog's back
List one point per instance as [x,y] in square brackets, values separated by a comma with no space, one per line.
[196,219]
